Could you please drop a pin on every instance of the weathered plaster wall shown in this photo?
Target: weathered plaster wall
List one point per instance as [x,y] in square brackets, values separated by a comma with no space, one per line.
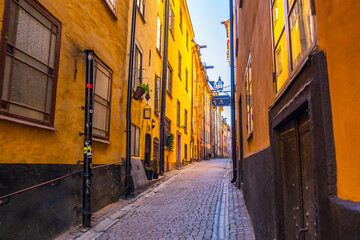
[85,25]
[338,34]
[254,21]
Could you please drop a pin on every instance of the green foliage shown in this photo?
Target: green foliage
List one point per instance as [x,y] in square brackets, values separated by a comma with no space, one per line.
[170,141]
[147,168]
[155,165]
[145,87]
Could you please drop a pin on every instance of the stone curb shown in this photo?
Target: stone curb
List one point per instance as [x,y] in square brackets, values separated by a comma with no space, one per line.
[97,230]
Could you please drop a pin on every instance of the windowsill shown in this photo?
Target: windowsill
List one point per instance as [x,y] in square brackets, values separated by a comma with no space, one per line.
[250,135]
[158,52]
[141,16]
[169,94]
[100,140]
[172,35]
[180,77]
[157,112]
[27,123]
[111,10]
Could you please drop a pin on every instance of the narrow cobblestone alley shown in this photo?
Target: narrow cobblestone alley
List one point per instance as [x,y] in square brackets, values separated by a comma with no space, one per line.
[197,203]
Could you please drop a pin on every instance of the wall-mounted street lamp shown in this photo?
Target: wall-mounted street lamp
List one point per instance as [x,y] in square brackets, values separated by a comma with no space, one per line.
[219,84]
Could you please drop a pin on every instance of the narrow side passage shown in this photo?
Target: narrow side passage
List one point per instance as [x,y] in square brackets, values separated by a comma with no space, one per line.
[197,203]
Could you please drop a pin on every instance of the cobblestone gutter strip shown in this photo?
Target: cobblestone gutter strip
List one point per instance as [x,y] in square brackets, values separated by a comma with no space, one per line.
[240,225]
[221,220]
[111,214]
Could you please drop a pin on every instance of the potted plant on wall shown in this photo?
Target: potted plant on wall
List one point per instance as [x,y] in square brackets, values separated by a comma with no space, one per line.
[148,171]
[155,166]
[140,90]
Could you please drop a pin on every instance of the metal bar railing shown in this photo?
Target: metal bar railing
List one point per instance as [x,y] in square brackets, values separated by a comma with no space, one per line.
[48,182]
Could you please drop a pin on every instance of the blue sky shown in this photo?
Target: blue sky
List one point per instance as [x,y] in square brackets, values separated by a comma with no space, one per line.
[206,17]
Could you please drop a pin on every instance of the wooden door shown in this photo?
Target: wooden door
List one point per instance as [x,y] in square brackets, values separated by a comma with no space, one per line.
[178,150]
[300,211]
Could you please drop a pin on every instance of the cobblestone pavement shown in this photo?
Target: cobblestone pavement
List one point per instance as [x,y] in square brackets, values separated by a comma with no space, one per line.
[196,203]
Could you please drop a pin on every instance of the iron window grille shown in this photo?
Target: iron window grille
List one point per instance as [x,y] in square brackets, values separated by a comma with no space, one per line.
[29,62]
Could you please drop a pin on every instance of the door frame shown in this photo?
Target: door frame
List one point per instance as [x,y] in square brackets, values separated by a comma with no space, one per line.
[309,89]
[178,149]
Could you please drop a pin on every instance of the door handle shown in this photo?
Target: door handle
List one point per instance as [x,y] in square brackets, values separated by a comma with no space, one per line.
[302,230]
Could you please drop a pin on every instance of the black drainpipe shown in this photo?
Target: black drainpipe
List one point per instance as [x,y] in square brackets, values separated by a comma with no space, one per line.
[232,93]
[129,190]
[89,107]
[163,88]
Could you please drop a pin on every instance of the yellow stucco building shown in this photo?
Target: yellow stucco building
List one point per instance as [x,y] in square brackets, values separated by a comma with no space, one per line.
[42,86]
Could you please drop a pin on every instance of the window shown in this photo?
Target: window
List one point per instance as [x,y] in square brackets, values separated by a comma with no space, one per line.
[181,19]
[102,99]
[171,20]
[186,79]
[249,104]
[178,113]
[157,94]
[185,152]
[169,80]
[112,5]
[135,140]
[179,65]
[158,36]
[30,62]
[185,121]
[299,32]
[167,129]
[278,62]
[187,40]
[138,67]
[141,7]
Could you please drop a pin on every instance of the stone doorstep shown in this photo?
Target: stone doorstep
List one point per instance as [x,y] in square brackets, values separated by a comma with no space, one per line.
[155,181]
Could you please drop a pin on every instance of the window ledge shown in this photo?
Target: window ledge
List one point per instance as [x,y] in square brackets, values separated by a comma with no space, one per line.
[158,52]
[250,135]
[169,94]
[100,140]
[27,123]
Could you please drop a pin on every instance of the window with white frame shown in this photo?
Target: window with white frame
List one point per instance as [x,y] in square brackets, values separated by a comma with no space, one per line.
[138,67]
[112,4]
[158,35]
[293,36]
[141,7]
[249,103]
[135,140]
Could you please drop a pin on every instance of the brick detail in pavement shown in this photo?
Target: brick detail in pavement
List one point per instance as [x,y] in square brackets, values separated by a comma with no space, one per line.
[184,206]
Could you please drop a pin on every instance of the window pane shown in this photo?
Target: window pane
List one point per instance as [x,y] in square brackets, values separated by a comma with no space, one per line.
[32,37]
[281,60]
[52,51]
[132,140]
[49,96]
[12,25]
[28,86]
[137,141]
[102,85]
[301,28]
[100,116]
[278,19]
[31,61]
[19,110]
[158,39]
[6,81]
